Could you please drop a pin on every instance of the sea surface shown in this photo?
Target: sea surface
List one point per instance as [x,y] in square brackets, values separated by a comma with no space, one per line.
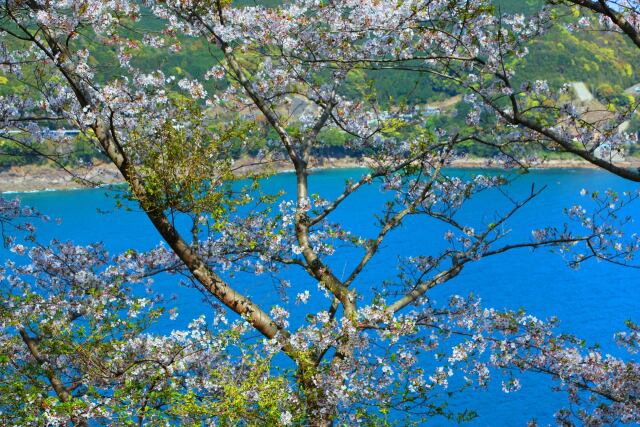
[592,302]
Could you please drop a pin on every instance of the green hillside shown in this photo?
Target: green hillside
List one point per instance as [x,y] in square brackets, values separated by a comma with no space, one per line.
[606,62]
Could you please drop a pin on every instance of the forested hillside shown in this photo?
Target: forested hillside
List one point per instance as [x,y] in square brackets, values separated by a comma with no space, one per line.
[606,62]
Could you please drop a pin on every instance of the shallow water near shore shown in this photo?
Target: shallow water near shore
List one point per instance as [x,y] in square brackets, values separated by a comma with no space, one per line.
[592,302]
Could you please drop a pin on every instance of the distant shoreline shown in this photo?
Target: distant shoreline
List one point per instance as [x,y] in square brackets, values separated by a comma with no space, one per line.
[36,178]
[31,178]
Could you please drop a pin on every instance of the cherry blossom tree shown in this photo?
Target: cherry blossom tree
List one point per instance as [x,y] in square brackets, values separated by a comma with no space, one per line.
[75,337]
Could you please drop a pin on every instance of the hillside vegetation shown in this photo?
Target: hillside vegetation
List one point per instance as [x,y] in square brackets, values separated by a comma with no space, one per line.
[607,63]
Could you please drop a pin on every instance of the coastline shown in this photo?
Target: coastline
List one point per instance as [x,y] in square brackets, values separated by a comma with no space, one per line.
[32,178]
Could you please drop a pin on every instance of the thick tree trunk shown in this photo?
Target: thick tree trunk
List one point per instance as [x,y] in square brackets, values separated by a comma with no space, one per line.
[320,422]
[318,416]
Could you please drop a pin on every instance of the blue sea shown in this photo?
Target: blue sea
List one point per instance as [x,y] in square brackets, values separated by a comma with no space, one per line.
[592,302]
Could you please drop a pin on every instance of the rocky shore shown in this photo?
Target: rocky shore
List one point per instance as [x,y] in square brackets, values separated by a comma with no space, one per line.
[33,178]
[46,178]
